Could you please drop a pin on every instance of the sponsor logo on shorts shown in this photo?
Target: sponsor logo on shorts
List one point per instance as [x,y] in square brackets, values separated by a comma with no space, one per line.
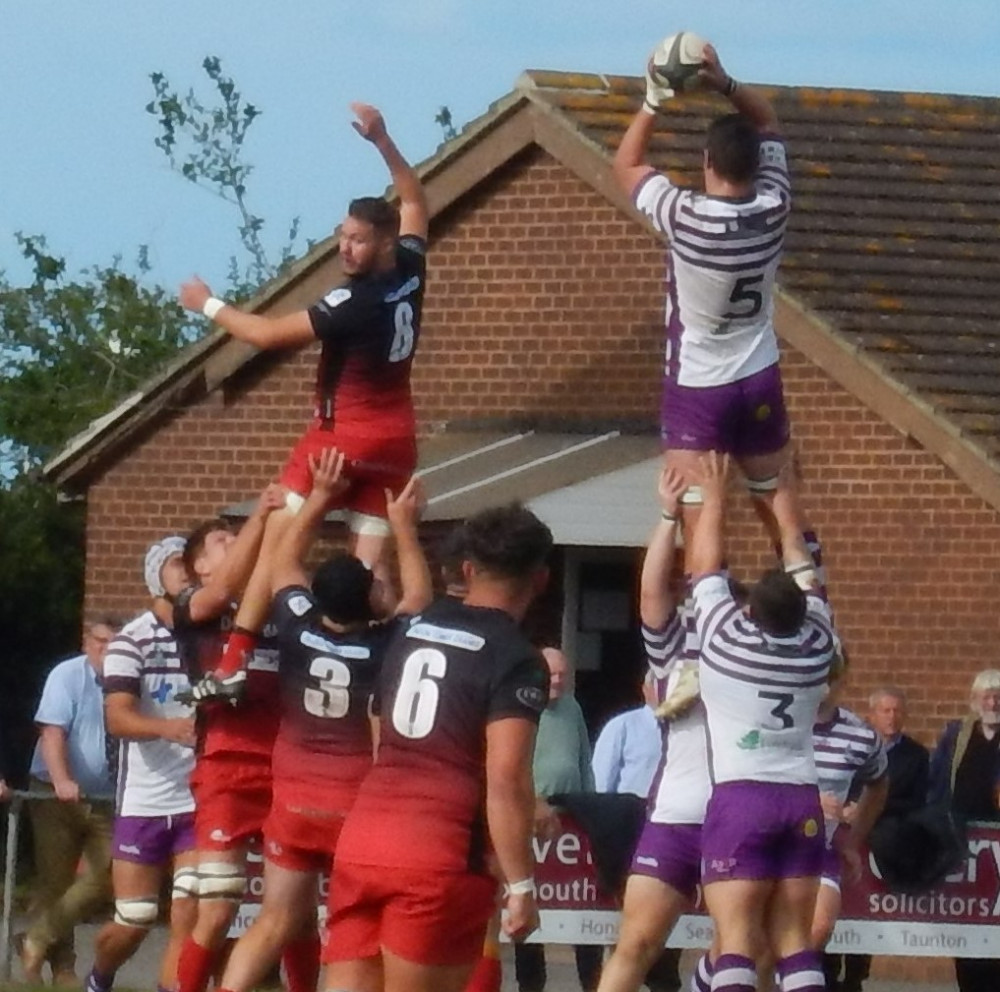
[810,828]
[130,849]
[220,836]
[762,412]
[273,847]
[721,866]
[648,862]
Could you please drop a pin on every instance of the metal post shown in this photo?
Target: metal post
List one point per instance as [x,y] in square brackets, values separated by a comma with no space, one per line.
[9,883]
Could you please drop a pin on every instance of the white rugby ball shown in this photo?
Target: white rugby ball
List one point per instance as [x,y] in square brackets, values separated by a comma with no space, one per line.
[676,60]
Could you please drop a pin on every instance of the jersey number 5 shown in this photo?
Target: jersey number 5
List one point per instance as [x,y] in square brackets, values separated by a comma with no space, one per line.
[332,699]
[416,704]
[402,340]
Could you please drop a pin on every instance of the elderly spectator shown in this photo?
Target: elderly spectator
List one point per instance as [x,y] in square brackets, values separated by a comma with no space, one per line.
[562,764]
[908,774]
[70,763]
[965,771]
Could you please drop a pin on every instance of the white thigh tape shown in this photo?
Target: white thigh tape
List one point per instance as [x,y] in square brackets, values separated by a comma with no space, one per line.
[139,914]
[220,880]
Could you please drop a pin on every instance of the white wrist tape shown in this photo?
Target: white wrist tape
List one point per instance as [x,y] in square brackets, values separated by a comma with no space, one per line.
[523,887]
[212,306]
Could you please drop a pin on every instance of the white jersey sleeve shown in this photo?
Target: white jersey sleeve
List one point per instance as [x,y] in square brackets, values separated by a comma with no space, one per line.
[772,170]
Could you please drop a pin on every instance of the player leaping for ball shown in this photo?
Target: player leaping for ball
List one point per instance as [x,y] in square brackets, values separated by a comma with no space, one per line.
[722,388]
[369,328]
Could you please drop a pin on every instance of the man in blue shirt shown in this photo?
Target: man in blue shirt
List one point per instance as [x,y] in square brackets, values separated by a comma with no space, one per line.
[71,763]
[628,748]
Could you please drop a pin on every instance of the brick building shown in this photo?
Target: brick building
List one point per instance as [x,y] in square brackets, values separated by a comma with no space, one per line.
[539,373]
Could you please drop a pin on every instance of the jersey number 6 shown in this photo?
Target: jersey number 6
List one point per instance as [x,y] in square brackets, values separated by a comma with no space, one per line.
[416,702]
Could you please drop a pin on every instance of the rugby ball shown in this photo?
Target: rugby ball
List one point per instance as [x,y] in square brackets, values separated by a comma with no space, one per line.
[676,60]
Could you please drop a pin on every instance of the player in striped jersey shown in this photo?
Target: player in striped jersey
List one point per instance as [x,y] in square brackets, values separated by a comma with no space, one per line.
[764,670]
[848,753]
[665,867]
[154,810]
[722,388]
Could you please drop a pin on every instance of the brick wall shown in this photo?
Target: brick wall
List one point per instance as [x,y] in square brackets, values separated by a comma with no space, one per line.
[545,301]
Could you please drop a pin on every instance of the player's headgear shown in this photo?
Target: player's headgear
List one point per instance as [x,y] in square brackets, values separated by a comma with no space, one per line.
[778,604]
[342,586]
[733,146]
[156,557]
[508,541]
[380,213]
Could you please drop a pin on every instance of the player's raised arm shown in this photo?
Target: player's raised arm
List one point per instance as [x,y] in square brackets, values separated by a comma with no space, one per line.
[746,99]
[707,551]
[413,212]
[227,582]
[630,165]
[656,603]
[287,568]
[262,332]
[417,585]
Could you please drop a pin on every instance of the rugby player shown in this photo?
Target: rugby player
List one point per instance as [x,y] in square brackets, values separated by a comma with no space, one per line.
[330,652]
[763,675]
[663,879]
[231,782]
[722,385]
[153,830]
[848,753]
[460,696]
[369,329]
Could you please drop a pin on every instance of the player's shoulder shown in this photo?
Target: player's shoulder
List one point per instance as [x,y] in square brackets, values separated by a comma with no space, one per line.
[858,727]
[142,627]
[293,603]
[411,245]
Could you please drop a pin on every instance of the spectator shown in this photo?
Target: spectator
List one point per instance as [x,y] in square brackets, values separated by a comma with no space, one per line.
[628,748]
[908,775]
[562,764]
[965,771]
[71,763]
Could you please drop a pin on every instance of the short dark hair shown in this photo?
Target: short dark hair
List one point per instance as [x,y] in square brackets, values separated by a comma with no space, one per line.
[195,543]
[110,620]
[507,541]
[342,586]
[381,214]
[733,146]
[777,603]
[451,554]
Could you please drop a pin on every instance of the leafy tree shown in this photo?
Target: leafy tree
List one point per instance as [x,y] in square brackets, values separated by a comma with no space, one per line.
[205,145]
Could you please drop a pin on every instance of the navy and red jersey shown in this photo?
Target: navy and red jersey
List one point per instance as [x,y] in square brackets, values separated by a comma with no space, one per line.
[327,680]
[249,728]
[369,329]
[449,673]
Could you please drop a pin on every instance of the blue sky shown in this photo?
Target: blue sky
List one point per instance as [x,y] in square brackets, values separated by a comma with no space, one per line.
[78,164]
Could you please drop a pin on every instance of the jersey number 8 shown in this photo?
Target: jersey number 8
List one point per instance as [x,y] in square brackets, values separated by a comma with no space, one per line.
[332,699]
[402,340]
[416,704]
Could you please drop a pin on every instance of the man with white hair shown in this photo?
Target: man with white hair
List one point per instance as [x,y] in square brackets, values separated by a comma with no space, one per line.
[153,828]
[965,771]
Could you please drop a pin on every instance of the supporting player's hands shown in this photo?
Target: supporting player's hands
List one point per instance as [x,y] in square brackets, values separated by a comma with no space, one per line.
[670,489]
[657,93]
[272,498]
[194,293]
[179,730]
[328,473]
[370,123]
[711,74]
[520,917]
[713,476]
[67,790]
[405,509]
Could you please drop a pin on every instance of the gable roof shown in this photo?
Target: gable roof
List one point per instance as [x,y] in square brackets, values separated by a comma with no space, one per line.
[891,274]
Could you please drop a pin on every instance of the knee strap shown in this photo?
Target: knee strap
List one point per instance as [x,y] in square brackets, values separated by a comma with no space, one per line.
[185,883]
[692,496]
[140,913]
[221,880]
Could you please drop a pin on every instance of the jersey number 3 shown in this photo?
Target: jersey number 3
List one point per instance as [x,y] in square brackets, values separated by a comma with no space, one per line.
[402,340]
[416,705]
[332,699]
